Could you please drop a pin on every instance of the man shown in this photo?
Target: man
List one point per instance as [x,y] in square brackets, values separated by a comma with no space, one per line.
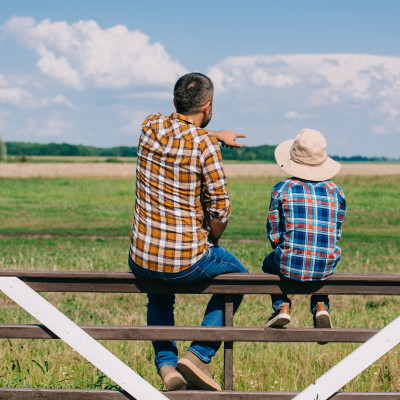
[182,208]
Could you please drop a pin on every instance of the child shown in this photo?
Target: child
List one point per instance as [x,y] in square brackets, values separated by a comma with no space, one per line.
[304,222]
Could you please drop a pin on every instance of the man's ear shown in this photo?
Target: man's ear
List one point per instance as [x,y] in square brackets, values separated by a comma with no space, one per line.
[206,107]
[175,104]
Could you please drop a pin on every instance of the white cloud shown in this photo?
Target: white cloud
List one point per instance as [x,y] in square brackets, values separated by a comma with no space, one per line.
[43,130]
[160,95]
[261,71]
[15,96]
[354,94]
[281,81]
[328,77]
[379,130]
[82,54]
[55,128]
[296,115]
[133,121]
[389,109]
[58,100]
[3,81]
[21,98]
[58,68]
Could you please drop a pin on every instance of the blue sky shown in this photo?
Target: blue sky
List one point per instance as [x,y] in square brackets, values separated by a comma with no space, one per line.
[89,72]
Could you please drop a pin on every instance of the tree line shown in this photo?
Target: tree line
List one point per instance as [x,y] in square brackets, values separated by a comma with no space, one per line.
[65,149]
[246,153]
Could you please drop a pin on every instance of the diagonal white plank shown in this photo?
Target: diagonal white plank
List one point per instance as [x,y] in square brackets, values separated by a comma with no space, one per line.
[79,340]
[352,365]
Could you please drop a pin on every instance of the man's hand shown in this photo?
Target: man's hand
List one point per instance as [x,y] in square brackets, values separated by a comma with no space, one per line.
[228,138]
[216,230]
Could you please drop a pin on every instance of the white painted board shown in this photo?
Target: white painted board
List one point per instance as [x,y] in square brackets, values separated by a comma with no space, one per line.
[352,365]
[78,339]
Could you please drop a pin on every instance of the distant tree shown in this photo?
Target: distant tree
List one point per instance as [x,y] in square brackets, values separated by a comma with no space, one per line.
[3,150]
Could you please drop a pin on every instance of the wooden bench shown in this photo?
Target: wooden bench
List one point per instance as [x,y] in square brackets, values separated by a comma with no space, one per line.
[227,285]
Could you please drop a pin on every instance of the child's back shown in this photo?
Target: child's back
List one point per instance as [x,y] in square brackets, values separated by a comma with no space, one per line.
[304,225]
[304,222]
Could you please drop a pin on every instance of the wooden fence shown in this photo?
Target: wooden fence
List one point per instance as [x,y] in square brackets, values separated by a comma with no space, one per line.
[227,285]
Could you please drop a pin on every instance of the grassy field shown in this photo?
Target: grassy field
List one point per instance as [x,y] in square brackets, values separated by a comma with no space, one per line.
[83,224]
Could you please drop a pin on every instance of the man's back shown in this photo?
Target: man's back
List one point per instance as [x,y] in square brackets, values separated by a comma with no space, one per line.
[179,174]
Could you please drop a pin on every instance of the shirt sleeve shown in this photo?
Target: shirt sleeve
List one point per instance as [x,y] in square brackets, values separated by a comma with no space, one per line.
[215,192]
[273,221]
[341,215]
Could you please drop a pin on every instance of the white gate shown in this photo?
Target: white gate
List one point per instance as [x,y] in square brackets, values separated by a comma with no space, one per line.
[78,339]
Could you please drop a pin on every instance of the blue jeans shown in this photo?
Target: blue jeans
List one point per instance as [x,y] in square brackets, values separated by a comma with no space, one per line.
[271,266]
[160,307]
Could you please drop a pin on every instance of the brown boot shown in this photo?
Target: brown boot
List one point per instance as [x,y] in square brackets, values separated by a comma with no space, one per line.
[172,379]
[321,316]
[280,317]
[197,371]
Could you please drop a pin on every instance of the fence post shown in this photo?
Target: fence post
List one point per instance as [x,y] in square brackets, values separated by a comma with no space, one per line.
[228,346]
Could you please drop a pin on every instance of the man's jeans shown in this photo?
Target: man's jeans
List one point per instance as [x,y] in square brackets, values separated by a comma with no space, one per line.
[271,266]
[160,307]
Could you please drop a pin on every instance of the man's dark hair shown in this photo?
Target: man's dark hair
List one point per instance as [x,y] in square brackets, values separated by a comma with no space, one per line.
[191,92]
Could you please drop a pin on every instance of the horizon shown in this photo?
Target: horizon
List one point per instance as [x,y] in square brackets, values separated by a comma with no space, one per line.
[223,150]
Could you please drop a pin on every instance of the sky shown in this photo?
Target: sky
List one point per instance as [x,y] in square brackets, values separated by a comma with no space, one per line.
[89,72]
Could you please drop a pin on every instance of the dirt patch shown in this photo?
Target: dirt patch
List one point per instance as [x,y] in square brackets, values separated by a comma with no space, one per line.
[53,170]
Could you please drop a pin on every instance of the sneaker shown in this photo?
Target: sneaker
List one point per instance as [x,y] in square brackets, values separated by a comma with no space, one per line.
[197,371]
[280,317]
[172,379]
[321,316]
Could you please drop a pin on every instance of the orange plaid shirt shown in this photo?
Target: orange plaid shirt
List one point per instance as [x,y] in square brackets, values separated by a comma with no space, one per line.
[180,183]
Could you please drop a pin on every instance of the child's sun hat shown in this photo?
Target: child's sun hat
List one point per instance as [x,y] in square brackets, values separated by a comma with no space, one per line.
[305,157]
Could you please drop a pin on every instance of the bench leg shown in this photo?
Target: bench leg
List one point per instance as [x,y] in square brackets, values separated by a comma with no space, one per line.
[228,346]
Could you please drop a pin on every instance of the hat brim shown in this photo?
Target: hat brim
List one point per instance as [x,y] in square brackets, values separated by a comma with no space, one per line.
[328,169]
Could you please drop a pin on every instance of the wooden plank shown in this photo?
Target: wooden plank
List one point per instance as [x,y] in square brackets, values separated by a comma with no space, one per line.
[88,394]
[207,287]
[106,275]
[352,365]
[197,333]
[118,282]
[228,346]
[79,340]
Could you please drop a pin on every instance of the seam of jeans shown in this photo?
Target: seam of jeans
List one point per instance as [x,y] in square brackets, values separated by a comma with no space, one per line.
[229,263]
[164,364]
[202,358]
[185,276]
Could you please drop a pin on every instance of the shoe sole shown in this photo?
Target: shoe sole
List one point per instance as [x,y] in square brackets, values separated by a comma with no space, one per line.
[279,321]
[175,381]
[197,376]
[323,320]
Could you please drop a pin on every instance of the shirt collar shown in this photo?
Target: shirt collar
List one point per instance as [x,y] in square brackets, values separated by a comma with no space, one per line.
[182,117]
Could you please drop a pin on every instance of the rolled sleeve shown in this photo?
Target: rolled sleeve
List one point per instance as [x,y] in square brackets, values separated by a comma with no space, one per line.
[273,231]
[215,192]
[341,215]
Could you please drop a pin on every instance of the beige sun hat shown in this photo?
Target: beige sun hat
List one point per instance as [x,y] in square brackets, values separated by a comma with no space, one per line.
[305,157]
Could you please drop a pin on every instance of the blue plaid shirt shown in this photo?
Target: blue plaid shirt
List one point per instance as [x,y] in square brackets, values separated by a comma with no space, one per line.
[304,225]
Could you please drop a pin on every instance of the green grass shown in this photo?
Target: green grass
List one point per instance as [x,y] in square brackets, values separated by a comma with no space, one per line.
[84,224]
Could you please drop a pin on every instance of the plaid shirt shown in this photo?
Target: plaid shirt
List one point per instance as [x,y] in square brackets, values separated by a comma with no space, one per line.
[304,225]
[180,183]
